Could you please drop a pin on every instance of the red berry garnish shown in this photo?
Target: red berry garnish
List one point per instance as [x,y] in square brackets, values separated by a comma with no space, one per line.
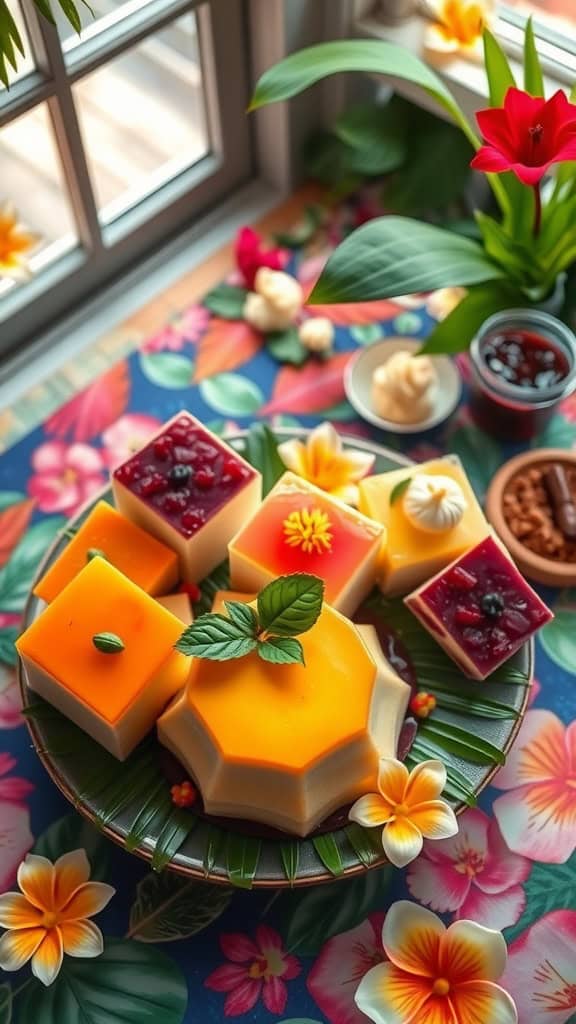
[152,484]
[193,519]
[129,472]
[206,452]
[179,431]
[461,579]
[184,795]
[422,704]
[175,501]
[204,478]
[468,616]
[232,471]
[192,590]
[162,447]
[184,455]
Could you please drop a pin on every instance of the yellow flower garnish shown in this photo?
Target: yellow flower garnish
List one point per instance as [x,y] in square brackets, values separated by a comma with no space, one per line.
[459,24]
[15,243]
[309,529]
[50,916]
[324,462]
[409,808]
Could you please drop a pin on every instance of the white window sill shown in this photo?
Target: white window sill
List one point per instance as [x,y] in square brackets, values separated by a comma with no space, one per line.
[466,78]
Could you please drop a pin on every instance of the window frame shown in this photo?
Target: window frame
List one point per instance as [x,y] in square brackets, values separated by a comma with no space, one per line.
[104,251]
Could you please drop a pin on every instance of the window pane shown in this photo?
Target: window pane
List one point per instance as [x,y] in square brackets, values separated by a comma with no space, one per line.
[558,15]
[104,13]
[26,63]
[32,180]
[142,116]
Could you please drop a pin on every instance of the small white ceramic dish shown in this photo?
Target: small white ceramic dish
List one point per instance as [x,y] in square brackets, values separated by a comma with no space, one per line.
[358,384]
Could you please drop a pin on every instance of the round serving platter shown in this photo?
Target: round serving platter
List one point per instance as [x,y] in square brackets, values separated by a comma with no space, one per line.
[130,801]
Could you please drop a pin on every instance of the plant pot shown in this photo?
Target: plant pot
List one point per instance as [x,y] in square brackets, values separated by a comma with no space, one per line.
[394,11]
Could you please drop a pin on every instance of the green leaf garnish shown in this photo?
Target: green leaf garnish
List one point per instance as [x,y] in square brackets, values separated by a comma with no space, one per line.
[95,553]
[108,643]
[243,615]
[399,489]
[217,638]
[291,604]
[281,650]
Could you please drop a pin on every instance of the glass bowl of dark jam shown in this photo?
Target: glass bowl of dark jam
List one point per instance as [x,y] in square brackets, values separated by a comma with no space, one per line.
[523,365]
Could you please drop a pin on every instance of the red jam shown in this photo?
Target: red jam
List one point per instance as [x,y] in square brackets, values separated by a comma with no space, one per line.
[185,475]
[525,359]
[493,616]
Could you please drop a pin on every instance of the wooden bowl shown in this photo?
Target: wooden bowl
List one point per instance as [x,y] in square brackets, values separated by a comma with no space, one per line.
[536,567]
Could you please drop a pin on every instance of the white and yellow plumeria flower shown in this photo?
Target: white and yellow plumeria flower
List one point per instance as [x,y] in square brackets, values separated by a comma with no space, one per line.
[49,917]
[409,808]
[15,244]
[458,25]
[323,461]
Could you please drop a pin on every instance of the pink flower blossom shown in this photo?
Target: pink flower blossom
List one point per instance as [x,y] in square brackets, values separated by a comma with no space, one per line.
[541,970]
[474,874]
[15,835]
[10,700]
[258,967]
[187,327]
[65,476]
[340,967]
[538,816]
[251,255]
[126,436]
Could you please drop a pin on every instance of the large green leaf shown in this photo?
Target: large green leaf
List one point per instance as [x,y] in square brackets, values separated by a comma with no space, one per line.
[226,301]
[301,70]
[17,575]
[232,394]
[317,914]
[327,849]
[5,1004]
[533,78]
[498,70]
[242,857]
[518,259]
[549,887]
[558,637]
[167,369]
[72,833]
[129,983]
[375,136]
[397,256]
[261,451]
[8,635]
[455,333]
[169,907]
[419,188]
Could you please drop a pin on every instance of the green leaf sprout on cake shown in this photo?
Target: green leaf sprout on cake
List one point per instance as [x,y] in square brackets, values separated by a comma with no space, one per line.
[285,608]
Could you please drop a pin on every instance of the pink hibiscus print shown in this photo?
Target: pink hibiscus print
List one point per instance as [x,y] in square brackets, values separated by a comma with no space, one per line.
[541,970]
[259,967]
[537,817]
[342,963]
[188,327]
[473,875]
[251,254]
[15,835]
[568,408]
[65,476]
[126,436]
[10,700]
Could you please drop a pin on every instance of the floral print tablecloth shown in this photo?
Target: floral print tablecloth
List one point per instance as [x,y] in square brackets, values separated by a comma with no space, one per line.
[183,951]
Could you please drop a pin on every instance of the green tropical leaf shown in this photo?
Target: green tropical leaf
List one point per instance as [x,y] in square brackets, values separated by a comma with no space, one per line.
[286,347]
[314,915]
[290,854]
[242,857]
[390,256]
[226,301]
[231,394]
[457,787]
[45,8]
[141,825]
[518,259]
[219,579]
[376,137]
[168,907]
[215,843]
[399,489]
[558,638]
[304,231]
[261,451]
[281,650]
[8,636]
[366,843]
[167,369]
[472,705]
[17,575]
[455,332]
[129,981]
[548,887]
[533,78]
[461,742]
[217,638]
[177,828]
[244,616]
[290,604]
[5,1004]
[418,188]
[303,69]
[498,70]
[75,833]
[71,13]
[327,849]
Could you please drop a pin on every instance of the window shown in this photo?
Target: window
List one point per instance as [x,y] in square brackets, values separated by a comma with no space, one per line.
[554,19]
[113,139]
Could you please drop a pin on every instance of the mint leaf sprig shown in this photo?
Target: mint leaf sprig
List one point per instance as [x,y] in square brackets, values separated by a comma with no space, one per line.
[285,608]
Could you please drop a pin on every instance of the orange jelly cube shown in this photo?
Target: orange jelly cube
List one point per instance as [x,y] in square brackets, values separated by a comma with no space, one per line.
[117,697]
[142,558]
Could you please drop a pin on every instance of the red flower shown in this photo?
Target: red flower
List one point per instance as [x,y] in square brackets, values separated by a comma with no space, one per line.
[184,794]
[251,255]
[259,967]
[527,135]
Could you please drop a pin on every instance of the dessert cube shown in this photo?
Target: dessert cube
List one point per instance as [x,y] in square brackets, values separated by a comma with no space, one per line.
[412,555]
[179,605]
[299,528]
[190,490]
[142,558]
[480,609]
[288,744]
[116,697]
[221,596]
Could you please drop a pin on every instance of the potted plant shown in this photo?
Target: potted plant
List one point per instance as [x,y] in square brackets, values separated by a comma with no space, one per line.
[527,149]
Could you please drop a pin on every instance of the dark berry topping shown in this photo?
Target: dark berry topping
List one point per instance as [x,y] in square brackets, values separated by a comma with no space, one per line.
[179,474]
[492,605]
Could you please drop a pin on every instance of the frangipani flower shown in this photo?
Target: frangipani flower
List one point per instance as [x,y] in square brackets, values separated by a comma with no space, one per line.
[408,807]
[459,25]
[15,243]
[436,975]
[49,917]
[323,461]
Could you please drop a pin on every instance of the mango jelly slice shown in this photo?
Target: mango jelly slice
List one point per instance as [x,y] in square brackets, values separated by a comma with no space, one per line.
[221,596]
[100,599]
[288,715]
[142,558]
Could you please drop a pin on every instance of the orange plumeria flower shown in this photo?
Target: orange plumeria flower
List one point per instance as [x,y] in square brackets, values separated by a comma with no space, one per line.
[436,975]
[49,917]
[458,25]
[323,461]
[15,243]
[184,794]
[408,807]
